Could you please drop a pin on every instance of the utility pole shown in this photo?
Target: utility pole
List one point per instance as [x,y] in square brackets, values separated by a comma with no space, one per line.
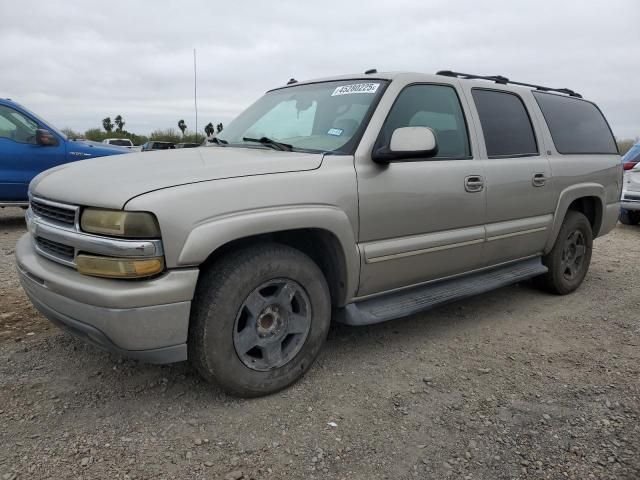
[195,90]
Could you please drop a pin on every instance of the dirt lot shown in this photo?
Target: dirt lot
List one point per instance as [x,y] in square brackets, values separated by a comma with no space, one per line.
[515,384]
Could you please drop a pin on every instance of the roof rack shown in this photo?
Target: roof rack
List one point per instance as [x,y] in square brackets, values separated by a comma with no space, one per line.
[504,81]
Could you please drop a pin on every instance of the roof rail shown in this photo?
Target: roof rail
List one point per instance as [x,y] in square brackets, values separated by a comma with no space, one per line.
[504,81]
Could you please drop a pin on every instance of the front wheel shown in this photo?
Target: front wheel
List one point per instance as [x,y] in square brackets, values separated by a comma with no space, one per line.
[259,319]
[568,261]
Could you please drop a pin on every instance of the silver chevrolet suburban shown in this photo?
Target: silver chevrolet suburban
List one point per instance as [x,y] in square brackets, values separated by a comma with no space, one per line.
[362,198]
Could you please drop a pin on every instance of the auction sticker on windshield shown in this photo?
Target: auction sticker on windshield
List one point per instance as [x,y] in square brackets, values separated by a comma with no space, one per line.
[356,88]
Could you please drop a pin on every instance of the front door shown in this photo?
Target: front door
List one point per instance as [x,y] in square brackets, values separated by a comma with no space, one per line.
[21,158]
[422,219]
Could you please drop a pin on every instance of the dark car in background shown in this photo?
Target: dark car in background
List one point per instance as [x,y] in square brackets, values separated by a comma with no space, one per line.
[153,145]
[187,145]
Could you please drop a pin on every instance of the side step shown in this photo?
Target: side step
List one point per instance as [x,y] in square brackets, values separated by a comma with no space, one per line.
[415,300]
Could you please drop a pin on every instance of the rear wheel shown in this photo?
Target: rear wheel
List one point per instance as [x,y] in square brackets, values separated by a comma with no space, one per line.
[568,261]
[259,319]
[629,217]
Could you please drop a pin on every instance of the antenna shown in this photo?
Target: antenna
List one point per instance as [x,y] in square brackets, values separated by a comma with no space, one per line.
[195,91]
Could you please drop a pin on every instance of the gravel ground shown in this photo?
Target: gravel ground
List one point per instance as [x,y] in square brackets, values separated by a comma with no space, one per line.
[510,385]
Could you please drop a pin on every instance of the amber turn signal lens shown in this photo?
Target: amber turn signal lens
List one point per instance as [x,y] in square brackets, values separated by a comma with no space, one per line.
[110,267]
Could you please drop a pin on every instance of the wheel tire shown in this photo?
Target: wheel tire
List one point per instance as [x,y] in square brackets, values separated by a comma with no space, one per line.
[558,260]
[628,217]
[222,295]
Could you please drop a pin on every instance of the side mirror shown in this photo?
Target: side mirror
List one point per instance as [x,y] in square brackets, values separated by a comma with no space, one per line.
[408,143]
[45,138]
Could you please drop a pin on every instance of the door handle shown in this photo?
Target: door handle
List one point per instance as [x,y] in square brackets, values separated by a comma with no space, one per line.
[539,180]
[474,183]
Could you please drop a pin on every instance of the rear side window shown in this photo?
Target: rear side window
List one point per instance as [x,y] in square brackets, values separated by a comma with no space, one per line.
[576,126]
[505,124]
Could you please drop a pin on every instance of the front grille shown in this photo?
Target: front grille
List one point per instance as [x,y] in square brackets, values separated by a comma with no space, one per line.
[55,213]
[632,196]
[55,248]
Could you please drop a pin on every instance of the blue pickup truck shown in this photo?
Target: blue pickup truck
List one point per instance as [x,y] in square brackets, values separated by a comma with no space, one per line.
[29,145]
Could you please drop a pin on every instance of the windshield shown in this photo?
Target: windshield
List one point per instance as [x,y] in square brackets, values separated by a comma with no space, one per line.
[317,117]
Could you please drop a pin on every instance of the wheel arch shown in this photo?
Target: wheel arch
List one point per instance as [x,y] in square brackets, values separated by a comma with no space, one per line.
[588,199]
[323,233]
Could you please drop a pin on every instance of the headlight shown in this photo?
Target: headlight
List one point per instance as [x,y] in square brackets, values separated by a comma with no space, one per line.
[119,223]
[118,267]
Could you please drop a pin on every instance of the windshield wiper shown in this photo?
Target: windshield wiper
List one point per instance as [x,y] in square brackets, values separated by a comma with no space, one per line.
[218,141]
[270,143]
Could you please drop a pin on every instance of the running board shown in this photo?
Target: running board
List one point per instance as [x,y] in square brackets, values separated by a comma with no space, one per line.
[418,299]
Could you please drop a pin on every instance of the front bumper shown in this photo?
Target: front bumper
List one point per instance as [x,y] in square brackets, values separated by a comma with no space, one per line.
[146,319]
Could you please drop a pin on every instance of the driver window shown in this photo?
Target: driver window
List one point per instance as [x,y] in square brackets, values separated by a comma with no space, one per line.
[17,127]
[436,107]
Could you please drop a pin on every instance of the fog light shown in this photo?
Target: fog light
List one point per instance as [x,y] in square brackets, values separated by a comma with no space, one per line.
[119,267]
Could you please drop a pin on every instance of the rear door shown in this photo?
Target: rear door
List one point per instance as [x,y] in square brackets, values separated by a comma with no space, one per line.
[520,194]
[21,158]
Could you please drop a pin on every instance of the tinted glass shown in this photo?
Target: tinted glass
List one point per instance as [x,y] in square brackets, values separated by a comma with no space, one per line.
[120,143]
[576,126]
[505,124]
[436,107]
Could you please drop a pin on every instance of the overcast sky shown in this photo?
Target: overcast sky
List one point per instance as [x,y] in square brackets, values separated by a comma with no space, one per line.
[76,62]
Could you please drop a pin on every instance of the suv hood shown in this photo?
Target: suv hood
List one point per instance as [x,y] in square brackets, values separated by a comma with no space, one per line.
[109,182]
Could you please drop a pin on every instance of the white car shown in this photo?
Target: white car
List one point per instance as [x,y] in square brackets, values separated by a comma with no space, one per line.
[120,142]
[630,213]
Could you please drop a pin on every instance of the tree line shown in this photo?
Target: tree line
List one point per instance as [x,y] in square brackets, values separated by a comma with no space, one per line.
[115,129]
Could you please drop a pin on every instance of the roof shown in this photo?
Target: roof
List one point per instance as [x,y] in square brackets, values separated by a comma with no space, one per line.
[482,81]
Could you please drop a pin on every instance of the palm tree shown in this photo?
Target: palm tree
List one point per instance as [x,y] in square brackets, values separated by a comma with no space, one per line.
[182,126]
[219,127]
[107,125]
[119,122]
[208,129]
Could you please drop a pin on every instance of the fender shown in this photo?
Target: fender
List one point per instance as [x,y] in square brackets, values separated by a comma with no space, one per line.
[567,196]
[215,232]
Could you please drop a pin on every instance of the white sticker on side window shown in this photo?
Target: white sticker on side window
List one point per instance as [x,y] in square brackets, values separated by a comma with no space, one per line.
[356,88]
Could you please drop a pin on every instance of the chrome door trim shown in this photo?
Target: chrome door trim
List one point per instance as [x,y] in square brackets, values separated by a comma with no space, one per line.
[390,249]
[515,234]
[520,226]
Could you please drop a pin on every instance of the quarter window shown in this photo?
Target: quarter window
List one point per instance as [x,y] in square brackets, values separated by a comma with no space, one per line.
[576,126]
[505,124]
[16,126]
[436,107]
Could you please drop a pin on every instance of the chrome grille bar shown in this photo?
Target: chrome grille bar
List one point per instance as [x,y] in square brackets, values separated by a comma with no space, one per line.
[61,240]
[57,212]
